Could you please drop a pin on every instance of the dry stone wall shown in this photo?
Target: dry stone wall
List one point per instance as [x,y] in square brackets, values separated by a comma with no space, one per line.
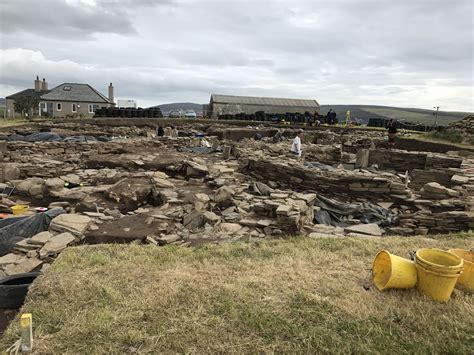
[402,160]
[367,185]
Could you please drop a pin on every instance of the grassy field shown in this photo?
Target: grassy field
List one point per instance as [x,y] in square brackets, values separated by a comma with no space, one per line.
[300,295]
[443,137]
[365,112]
[12,122]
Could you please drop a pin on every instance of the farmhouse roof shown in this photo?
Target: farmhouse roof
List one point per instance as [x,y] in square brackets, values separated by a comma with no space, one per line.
[75,92]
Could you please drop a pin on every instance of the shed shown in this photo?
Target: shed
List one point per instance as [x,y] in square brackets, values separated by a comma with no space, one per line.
[231,105]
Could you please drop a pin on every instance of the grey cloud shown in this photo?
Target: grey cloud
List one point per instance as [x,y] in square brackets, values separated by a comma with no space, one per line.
[71,19]
[404,52]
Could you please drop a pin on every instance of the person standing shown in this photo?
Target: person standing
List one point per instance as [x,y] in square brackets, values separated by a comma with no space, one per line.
[160,132]
[278,136]
[392,132]
[329,116]
[296,146]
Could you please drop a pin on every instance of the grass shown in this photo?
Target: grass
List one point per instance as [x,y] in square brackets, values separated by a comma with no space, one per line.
[298,295]
[447,136]
[398,113]
[12,122]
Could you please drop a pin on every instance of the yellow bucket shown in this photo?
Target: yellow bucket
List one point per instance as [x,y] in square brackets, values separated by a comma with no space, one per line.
[466,280]
[19,209]
[438,272]
[392,271]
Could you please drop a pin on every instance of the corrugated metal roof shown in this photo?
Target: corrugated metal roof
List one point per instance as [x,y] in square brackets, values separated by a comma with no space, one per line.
[75,92]
[263,101]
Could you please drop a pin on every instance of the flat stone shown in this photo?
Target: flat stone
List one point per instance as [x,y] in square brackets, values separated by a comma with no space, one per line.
[233,217]
[458,179]
[160,175]
[248,222]
[278,195]
[369,229]
[94,214]
[308,198]
[435,188]
[27,265]
[264,223]
[11,259]
[223,194]
[228,211]
[202,197]
[168,238]
[56,244]
[283,210]
[193,220]
[163,183]
[359,235]
[211,217]
[385,205]
[73,223]
[24,244]
[229,228]
[41,238]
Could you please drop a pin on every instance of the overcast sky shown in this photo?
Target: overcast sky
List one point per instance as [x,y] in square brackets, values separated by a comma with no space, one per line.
[410,53]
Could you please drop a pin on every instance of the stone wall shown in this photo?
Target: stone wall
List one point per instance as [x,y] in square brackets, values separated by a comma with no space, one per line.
[421,177]
[366,185]
[424,222]
[402,160]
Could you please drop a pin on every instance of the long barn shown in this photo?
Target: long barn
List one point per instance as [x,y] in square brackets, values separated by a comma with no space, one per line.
[231,105]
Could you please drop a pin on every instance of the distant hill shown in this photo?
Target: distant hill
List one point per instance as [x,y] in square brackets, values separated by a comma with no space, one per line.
[3,102]
[416,115]
[166,108]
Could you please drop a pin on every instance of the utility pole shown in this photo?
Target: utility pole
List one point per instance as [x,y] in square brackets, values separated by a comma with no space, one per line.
[436,116]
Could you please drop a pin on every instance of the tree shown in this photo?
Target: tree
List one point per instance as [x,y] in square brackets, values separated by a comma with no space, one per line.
[27,104]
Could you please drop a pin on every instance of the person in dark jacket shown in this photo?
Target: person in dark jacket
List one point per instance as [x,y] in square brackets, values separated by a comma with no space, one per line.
[392,131]
[329,116]
[160,132]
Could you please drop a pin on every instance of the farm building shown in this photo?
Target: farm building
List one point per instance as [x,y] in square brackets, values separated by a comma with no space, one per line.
[231,105]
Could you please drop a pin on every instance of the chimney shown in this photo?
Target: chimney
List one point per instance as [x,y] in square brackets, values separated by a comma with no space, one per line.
[37,84]
[44,85]
[111,93]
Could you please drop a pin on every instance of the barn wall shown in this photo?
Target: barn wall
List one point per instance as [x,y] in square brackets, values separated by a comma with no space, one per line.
[232,109]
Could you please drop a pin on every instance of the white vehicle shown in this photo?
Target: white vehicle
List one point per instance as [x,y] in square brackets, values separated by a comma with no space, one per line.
[126,104]
[176,114]
[190,114]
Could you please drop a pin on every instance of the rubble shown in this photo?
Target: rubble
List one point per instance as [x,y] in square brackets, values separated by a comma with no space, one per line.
[163,191]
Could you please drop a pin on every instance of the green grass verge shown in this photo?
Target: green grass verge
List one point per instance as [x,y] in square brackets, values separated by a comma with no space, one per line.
[448,136]
[293,296]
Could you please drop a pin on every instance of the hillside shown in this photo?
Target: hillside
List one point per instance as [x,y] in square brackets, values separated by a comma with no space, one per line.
[166,108]
[365,112]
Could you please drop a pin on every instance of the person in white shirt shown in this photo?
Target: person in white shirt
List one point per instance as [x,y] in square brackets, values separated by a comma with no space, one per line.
[296,146]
